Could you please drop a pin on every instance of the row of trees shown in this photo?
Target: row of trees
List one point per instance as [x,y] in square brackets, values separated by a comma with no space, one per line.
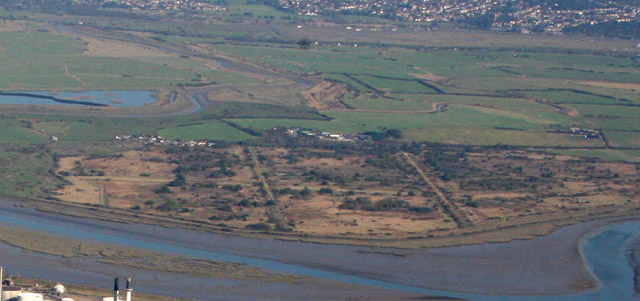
[388,204]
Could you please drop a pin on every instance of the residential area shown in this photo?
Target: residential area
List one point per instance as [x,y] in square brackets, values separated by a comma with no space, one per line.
[522,16]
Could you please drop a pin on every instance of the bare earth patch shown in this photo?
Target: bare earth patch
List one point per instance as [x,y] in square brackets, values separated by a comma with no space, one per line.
[614,85]
[113,180]
[325,95]
[113,48]
[425,74]
[9,26]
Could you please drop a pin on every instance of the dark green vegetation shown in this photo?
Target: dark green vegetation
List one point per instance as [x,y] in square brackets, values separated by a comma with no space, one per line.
[609,29]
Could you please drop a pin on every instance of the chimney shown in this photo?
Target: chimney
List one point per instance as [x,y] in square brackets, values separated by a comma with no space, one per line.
[129,290]
[1,281]
[116,293]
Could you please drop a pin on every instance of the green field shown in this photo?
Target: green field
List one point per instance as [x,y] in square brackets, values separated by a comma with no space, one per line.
[12,132]
[571,97]
[94,129]
[24,171]
[623,139]
[494,95]
[210,131]
[37,60]
[425,102]
[610,155]
[397,86]
[497,137]
[458,116]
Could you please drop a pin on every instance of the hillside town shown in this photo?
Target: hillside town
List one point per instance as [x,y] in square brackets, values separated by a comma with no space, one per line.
[524,16]
[509,15]
[176,5]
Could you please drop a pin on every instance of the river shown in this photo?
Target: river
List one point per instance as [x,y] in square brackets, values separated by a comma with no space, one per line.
[605,252]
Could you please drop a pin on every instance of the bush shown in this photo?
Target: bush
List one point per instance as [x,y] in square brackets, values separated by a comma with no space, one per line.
[170,205]
[163,189]
[389,205]
[358,203]
[223,172]
[244,203]
[420,209]
[178,181]
[233,188]
[283,228]
[328,191]
[258,226]
[271,203]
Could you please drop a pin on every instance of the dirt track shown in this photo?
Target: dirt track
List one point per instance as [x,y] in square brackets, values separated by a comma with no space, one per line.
[450,208]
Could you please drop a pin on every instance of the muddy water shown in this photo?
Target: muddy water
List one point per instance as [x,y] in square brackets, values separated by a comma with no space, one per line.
[517,268]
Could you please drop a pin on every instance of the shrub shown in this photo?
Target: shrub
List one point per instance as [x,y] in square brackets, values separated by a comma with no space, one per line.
[170,205]
[420,209]
[259,226]
[389,205]
[358,203]
[163,189]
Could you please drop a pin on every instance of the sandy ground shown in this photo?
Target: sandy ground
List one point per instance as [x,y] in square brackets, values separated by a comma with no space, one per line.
[122,182]
[325,95]
[111,48]
[8,26]
[614,85]
[425,74]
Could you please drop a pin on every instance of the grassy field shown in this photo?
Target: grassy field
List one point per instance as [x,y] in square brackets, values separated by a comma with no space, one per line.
[530,81]
[624,139]
[211,131]
[423,102]
[496,137]
[42,60]
[397,86]
[25,171]
[458,116]
[609,155]
[94,129]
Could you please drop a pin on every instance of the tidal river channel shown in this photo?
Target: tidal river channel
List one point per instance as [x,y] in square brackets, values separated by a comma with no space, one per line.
[604,249]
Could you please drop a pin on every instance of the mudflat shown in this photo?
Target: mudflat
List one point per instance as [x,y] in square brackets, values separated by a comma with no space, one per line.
[548,265]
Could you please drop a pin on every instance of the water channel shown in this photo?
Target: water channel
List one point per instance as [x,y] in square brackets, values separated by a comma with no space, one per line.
[75,98]
[605,253]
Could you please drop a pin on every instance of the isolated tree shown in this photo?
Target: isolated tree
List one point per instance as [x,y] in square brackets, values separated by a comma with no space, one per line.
[304,43]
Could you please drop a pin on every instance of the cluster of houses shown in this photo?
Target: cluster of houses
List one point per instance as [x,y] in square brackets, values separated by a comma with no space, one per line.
[156,4]
[155,139]
[326,135]
[585,133]
[524,16]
